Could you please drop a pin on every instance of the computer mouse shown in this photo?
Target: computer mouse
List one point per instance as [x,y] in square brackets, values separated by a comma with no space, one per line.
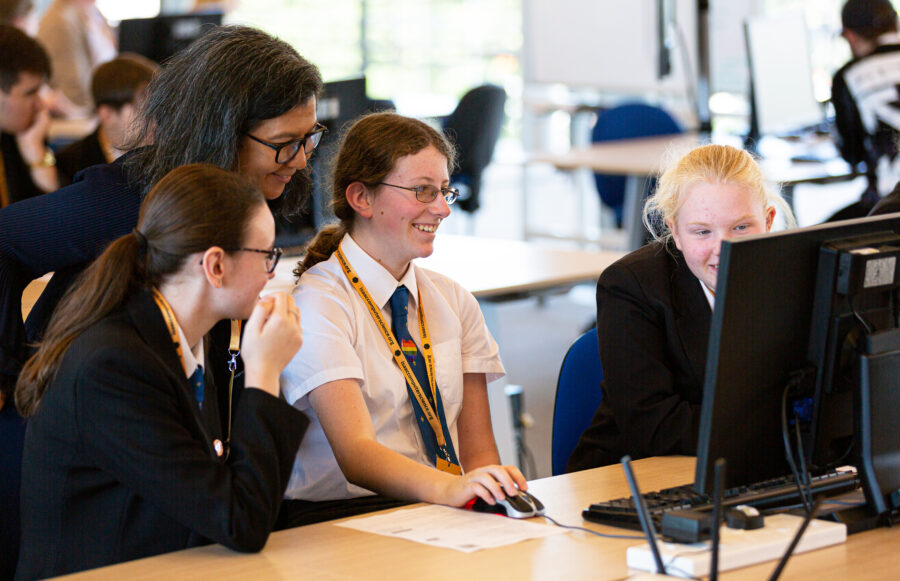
[512,506]
[537,504]
[744,517]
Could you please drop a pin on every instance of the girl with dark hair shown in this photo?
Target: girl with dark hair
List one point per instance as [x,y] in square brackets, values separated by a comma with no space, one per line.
[394,374]
[237,98]
[125,445]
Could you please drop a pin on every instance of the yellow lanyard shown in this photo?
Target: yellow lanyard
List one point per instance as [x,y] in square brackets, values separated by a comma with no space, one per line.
[401,361]
[171,325]
[233,349]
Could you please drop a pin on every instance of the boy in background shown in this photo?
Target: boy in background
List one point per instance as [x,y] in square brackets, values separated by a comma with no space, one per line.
[117,87]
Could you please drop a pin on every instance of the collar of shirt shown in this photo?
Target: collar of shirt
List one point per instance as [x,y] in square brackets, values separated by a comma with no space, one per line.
[380,283]
[191,358]
[710,296]
[888,38]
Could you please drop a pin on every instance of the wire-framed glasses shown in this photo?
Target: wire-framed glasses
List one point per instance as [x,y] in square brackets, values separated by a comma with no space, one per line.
[427,194]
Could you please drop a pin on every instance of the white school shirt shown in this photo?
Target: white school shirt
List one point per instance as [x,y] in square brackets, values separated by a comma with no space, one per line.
[341,341]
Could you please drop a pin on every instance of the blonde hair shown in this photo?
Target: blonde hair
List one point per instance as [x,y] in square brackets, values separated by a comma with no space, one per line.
[714,164]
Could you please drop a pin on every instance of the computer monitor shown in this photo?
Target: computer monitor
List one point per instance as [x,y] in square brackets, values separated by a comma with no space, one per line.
[161,37]
[760,342]
[781,87]
[341,102]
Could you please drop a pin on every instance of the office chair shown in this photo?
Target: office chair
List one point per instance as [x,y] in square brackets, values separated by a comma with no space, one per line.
[627,121]
[578,395]
[474,127]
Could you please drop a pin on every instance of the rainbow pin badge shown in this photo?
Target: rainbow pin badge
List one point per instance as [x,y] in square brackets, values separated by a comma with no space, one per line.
[409,349]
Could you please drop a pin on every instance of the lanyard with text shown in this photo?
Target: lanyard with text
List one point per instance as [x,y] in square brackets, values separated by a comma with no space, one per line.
[171,325]
[446,463]
[233,348]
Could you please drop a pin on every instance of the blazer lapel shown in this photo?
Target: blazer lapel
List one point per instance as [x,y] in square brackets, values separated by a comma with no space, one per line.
[149,323]
[692,315]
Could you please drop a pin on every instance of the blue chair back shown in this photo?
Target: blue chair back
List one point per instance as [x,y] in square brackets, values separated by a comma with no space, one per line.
[578,395]
[627,121]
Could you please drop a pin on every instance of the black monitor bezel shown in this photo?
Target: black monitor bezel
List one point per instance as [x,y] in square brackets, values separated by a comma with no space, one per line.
[759,334]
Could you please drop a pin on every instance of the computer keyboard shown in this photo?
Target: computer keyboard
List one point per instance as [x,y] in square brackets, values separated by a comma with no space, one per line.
[778,492]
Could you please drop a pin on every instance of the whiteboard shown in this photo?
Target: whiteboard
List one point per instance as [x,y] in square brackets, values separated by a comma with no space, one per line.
[610,45]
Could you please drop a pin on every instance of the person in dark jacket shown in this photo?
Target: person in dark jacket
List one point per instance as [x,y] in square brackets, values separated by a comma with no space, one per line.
[236,98]
[118,87]
[127,453]
[864,95]
[654,306]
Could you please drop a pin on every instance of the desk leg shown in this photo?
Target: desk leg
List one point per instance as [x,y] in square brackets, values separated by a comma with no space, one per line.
[787,192]
[501,411]
[636,188]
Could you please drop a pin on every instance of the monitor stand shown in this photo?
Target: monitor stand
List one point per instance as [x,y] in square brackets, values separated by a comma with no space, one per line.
[877,417]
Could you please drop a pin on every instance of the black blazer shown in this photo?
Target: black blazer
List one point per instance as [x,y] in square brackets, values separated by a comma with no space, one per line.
[82,154]
[653,328]
[119,461]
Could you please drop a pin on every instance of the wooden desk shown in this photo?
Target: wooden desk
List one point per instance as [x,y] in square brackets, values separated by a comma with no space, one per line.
[325,551]
[494,269]
[643,158]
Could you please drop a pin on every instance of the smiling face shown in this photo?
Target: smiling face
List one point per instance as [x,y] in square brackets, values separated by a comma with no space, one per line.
[257,162]
[711,213]
[398,227]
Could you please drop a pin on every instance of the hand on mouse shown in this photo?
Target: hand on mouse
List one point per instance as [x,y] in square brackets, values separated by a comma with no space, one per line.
[490,483]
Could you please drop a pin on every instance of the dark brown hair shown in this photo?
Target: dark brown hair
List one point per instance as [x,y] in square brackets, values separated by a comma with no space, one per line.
[21,54]
[368,153]
[121,80]
[208,96]
[193,208]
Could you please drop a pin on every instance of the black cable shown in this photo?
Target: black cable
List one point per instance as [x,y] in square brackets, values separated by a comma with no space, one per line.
[790,550]
[804,469]
[577,528]
[859,317]
[788,451]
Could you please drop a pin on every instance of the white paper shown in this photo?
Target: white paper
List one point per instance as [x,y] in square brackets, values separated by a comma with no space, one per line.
[452,528]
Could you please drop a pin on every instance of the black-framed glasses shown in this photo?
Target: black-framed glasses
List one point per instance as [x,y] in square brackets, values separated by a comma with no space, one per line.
[427,194]
[285,152]
[272,256]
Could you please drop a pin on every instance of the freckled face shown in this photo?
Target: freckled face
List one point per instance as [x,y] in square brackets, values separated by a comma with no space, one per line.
[709,214]
[257,162]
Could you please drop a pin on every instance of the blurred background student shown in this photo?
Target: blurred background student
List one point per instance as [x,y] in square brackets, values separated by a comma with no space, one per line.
[28,165]
[21,14]
[77,38]
[864,95]
[118,87]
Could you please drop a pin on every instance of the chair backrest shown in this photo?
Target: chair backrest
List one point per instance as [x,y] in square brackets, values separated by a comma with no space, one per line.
[578,395]
[474,127]
[627,121]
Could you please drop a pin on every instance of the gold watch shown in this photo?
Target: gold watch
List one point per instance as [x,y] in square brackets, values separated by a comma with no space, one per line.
[49,160]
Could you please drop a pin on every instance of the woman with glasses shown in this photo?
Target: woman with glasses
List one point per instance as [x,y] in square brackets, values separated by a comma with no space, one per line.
[394,369]
[236,98]
[125,454]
